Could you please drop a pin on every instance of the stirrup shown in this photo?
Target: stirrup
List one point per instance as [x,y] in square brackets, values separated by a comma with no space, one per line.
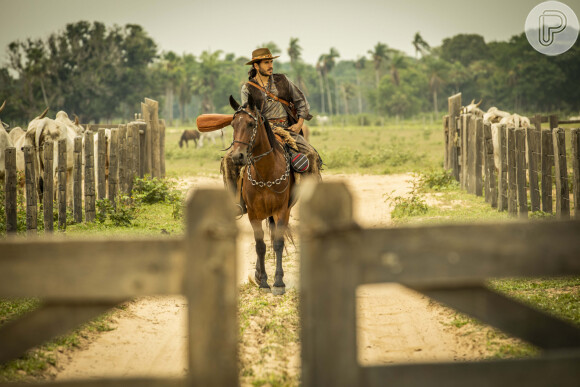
[240,212]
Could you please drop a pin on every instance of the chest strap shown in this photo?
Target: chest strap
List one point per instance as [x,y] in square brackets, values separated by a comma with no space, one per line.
[290,105]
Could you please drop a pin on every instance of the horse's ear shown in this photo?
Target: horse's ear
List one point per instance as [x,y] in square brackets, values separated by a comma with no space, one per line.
[251,103]
[234,104]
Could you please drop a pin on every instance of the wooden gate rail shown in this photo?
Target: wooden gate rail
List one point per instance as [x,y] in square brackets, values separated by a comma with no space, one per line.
[80,279]
[448,263]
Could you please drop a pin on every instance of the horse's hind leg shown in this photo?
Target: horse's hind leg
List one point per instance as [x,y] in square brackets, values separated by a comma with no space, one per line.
[279,285]
[260,276]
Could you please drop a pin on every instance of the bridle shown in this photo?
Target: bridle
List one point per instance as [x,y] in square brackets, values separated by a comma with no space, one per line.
[252,160]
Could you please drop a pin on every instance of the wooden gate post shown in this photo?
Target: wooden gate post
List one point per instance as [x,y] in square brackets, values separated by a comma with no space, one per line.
[62,168]
[90,211]
[210,286]
[547,163]
[129,170]
[162,148]
[135,152]
[533,138]
[512,171]
[114,166]
[463,128]
[31,200]
[142,145]
[78,180]
[561,174]
[10,189]
[446,141]
[328,332]
[48,185]
[575,135]
[478,186]
[490,180]
[454,109]
[155,144]
[502,199]
[101,164]
[471,153]
[122,137]
[521,172]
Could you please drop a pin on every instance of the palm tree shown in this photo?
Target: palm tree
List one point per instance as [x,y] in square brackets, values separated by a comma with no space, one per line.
[396,62]
[436,71]
[171,67]
[379,54]
[206,78]
[273,47]
[359,65]
[320,71]
[295,51]
[421,46]
[327,64]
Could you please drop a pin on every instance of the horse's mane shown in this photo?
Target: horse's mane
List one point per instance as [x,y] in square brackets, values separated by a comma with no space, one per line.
[271,137]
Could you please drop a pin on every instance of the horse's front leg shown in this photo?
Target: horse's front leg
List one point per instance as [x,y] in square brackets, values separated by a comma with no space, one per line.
[278,236]
[260,276]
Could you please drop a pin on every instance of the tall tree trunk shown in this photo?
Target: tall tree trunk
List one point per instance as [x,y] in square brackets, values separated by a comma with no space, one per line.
[322,93]
[377,77]
[435,101]
[169,104]
[359,93]
[345,101]
[329,96]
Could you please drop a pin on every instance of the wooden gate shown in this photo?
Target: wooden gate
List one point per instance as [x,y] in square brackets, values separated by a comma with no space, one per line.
[447,263]
[78,280]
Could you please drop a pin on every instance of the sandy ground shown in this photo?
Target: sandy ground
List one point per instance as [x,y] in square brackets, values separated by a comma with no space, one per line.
[394,324]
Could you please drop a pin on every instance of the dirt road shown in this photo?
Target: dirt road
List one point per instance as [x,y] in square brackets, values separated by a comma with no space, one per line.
[394,323]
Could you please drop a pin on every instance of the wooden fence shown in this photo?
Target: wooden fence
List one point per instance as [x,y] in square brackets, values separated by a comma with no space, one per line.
[136,149]
[447,263]
[78,280]
[530,159]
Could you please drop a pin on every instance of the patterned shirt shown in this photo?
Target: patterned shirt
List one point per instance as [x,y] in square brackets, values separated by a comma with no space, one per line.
[274,109]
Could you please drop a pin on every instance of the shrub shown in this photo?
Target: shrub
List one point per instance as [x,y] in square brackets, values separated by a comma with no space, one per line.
[437,180]
[152,190]
[405,206]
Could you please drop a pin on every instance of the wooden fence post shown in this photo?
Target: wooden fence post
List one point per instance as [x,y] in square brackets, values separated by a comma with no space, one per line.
[62,168]
[122,137]
[575,138]
[135,149]
[547,163]
[512,172]
[142,144]
[463,129]
[446,140]
[48,186]
[533,138]
[101,164]
[155,145]
[90,212]
[10,190]
[328,334]
[31,199]
[520,151]
[454,109]
[78,180]
[129,169]
[210,286]
[502,198]
[471,154]
[147,118]
[561,174]
[162,148]
[490,180]
[114,166]
[553,119]
[478,187]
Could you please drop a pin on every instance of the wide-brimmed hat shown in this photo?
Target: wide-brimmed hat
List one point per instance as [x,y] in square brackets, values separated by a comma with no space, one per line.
[260,54]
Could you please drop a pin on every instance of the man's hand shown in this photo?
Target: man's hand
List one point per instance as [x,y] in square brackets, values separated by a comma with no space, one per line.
[297,127]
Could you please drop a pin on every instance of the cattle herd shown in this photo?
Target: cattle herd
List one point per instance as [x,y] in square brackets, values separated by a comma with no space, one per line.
[40,130]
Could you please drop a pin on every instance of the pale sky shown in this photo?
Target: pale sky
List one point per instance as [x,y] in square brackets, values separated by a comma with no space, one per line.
[351,26]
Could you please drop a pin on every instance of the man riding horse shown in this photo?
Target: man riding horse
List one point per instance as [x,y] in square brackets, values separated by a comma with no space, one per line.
[285,107]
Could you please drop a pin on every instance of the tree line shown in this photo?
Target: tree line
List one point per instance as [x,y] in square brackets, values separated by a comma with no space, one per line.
[101,73]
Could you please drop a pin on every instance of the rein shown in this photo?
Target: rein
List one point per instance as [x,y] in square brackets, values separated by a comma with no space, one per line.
[252,160]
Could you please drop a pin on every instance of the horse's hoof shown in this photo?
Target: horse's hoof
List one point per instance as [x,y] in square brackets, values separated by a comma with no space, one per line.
[278,290]
[265,290]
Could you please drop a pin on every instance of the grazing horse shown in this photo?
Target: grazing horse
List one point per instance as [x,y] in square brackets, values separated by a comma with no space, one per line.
[266,186]
[189,135]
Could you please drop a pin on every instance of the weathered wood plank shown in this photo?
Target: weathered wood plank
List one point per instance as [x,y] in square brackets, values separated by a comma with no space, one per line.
[502,197]
[533,139]
[468,254]
[42,324]
[547,164]
[124,382]
[446,140]
[10,190]
[575,139]
[123,184]
[162,147]
[114,166]
[490,178]
[521,181]
[91,269]
[463,129]
[210,285]
[478,179]
[551,370]
[511,316]
[48,187]
[78,180]
[129,158]
[62,169]
[328,333]
[31,199]
[512,172]
[142,134]
[101,164]
[454,111]
[147,118]
[155,144]
[561,174]
[471,154]
[135,152]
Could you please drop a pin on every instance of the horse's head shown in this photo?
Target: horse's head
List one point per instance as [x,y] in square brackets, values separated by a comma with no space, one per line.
[245,124]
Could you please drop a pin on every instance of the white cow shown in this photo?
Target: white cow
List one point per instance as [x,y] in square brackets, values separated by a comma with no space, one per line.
[5,142]
[510,121]
[212,136]
[473,108]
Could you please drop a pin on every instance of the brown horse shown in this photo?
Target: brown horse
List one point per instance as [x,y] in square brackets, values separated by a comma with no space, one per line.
[266,186]
[189,135]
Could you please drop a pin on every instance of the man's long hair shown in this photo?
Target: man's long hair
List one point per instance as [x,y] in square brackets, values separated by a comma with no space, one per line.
[253,72]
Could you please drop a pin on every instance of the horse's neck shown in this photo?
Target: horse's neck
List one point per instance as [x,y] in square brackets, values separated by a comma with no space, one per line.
[267,165]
